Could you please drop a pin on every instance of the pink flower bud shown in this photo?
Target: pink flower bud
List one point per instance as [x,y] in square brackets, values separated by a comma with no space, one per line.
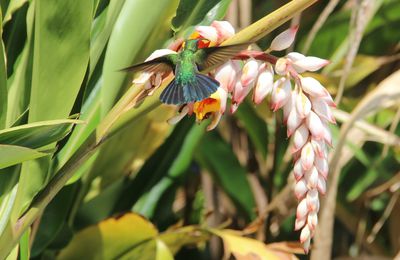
[300,137]
[321,184]
[226,76]
[294,120]
[322,109]
[322,166]
[281,66]
[306,245]
[312,200]
[300,189]
[223,96]
[307,156]
[249,72]
[311,63]
[311,178]
[315,126]
[302,209]
[298,170]
[295,56]
[299,223]
[319,147]
[208,32]
[303,105]
[240,92]
[264,84]
[305,234]
[284,39]
[313,87]
[224,30]
[287,108]
[281,93]
[312,220]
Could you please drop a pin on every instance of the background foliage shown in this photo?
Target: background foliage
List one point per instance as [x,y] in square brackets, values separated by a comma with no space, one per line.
[83,175]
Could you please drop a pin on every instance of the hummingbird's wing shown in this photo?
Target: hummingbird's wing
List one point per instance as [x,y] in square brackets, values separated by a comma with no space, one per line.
[214,56]
[161,64]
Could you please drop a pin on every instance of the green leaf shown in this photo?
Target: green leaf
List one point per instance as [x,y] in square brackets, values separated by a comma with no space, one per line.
[3,80]
[215,154]
[37,134]
[129,35]
[111,239]
[11,155]
[12,7]
[191,12]
[255,127]
[24,246]
[61,55]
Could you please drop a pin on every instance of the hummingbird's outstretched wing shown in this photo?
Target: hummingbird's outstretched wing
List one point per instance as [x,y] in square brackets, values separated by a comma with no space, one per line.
[214,56]
[178,93]
[161,64]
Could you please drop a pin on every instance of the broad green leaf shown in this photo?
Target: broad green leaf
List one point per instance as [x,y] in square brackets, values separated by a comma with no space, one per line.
[255,127]
[147,204]
[245,248]
[12,154]
[38,134]
[24,251]
[110,239]
[61,55]
[12,7]
[130,33]
[215,155]
[3,80]
[19,84]
[191,12]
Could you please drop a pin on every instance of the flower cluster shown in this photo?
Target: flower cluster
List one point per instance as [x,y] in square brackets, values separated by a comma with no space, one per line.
[306,106]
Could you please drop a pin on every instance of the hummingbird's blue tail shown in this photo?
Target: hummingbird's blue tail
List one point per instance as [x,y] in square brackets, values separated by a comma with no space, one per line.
[177,93]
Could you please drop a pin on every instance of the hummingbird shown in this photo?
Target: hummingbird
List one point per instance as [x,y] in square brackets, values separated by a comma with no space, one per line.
[189,85]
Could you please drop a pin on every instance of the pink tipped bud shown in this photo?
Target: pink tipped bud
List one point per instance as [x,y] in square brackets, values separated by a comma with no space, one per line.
[298,170]
[239,93]
[300,189]
[295,56]
[322,166]
[311,63]
[234,107]
[302,209]
[208,32]
[249,72]
[281,93]
[294,120]
[303,105]
[322,109]
[223,97]
[313,87]
[319,147]
[312,200]
[299,223]
[307,157]
[306,245]
[264,84]
[305,234]
[311,178]
[281,66]
[312,220]
[300,137]
[226,76]
[327,133]
[284,39]
[321,184]
[315,126]
[287,108]
[224,30]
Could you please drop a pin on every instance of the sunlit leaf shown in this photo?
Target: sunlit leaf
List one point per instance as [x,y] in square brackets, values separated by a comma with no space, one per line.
[12,154]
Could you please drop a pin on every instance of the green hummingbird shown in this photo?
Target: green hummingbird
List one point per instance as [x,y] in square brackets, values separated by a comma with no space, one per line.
[189,85]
